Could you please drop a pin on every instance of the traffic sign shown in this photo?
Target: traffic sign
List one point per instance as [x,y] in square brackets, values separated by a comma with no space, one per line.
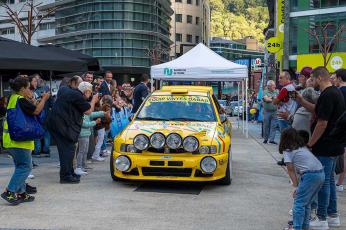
[274,45]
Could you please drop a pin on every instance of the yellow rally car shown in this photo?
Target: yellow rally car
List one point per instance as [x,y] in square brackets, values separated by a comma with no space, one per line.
[180,133]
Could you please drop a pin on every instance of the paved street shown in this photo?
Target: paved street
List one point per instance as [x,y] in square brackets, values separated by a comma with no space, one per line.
[257,199]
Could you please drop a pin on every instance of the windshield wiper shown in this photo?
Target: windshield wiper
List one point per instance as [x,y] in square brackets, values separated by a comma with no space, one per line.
[152,119]
[184,119]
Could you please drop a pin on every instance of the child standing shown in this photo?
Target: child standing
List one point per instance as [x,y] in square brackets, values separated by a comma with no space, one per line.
[300,160]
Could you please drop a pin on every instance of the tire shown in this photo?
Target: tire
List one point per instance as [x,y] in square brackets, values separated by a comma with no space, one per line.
[227,180]
[111,166]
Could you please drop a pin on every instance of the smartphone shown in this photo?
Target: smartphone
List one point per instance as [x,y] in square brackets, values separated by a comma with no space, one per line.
[292,94]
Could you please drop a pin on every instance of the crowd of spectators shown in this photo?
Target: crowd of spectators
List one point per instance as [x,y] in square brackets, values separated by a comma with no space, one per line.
[87,112]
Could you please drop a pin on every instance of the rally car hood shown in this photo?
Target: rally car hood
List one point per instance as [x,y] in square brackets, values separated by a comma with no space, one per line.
[204,131]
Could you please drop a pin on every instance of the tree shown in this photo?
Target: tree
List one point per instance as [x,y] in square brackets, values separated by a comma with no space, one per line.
[327,37]
[33,18]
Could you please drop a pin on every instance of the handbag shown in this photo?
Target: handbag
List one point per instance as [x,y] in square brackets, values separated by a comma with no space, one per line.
[23,127]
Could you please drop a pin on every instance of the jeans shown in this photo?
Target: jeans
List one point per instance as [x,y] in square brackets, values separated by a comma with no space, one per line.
[327,203]
[283,124]
[270,123]
[104,144]
[23,166]
[91,148]
[45,146]
[309,186]
[100,138]
[67,150]
[83,147]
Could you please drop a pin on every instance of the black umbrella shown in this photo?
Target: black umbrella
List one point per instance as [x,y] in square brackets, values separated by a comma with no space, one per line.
[20,56]
[93,63]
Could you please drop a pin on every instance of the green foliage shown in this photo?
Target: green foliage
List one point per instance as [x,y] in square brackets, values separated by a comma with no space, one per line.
[235,19]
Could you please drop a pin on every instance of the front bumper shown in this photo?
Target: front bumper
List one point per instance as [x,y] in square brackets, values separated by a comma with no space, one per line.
[170,167]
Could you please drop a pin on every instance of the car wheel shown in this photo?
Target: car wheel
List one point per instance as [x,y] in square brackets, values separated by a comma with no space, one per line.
[115,178]
[227,180]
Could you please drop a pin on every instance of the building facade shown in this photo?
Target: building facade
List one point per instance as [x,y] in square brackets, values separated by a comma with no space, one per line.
[243,51]
[126,36]
[303,48]
[10,31]
[190,25]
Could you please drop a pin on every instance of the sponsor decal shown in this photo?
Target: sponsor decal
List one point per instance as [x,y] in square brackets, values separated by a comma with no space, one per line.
[194,99]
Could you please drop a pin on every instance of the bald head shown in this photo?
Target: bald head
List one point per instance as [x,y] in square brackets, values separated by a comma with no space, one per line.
[284,78]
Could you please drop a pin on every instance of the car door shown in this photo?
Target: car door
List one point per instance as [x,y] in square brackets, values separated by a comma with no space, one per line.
[225,121]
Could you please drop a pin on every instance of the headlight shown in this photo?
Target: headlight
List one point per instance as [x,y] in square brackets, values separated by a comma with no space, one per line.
[208,165]
[141,142]
[122,163]
[204,150]
[173,141]
[131,149]
[157,140]
[190,144]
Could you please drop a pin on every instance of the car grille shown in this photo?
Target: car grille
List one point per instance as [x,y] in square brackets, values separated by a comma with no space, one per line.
[171,151]
[178,172]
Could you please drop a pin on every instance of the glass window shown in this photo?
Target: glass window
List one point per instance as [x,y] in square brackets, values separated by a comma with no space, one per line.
[189,38]
[189,19]
[178,0]
[179,18]
[178,37]
[197,39]
[197,2]
[189,1]
[197,20]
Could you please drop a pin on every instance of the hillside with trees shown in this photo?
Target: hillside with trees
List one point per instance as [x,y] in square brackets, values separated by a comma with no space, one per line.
[235,19]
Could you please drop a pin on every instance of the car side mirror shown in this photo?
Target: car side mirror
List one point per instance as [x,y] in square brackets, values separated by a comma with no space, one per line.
[223,118]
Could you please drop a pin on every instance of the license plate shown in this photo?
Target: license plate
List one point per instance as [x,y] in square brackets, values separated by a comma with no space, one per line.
[166,157]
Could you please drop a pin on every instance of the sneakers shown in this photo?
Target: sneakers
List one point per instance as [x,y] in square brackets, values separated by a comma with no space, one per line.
[70,180]
[80,172]
[339,188]
[31,176]
[98,158]
[30,189]
[319,224]
[281,163]
[10,197]
[25,197]
[290,212]
[265,142]
[334,221]
[273,142]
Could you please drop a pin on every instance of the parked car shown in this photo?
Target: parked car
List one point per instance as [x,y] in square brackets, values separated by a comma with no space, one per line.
[226,107]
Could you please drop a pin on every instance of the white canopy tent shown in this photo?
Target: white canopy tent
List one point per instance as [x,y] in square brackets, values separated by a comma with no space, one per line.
[203,64]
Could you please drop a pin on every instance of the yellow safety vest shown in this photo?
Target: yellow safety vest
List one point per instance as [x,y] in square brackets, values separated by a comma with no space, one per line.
[6,139]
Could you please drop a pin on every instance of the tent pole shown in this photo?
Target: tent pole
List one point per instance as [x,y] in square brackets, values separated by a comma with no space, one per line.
[1,87]
[242,102]
[247,113]
[238,103]
[50,81]
[151,84]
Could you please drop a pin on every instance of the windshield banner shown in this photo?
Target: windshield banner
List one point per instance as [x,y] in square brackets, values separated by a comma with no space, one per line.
[194,99]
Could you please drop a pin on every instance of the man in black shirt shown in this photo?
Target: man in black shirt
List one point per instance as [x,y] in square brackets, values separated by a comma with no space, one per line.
[140,93]
[328,109]
[341,83]
[65,122]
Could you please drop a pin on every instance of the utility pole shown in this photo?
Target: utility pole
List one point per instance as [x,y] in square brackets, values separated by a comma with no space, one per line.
[286,45]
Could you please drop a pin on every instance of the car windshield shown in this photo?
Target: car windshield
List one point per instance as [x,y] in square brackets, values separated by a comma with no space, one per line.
[177,108]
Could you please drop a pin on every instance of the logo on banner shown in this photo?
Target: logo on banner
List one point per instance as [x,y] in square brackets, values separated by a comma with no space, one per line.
[168,72]
[336,62]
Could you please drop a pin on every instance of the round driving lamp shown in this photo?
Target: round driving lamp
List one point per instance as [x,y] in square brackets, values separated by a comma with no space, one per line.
[122,163]
[190,144]
[157,140]
[208,165]
[141,142]
[131,149]
[174,141]
[204,150]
